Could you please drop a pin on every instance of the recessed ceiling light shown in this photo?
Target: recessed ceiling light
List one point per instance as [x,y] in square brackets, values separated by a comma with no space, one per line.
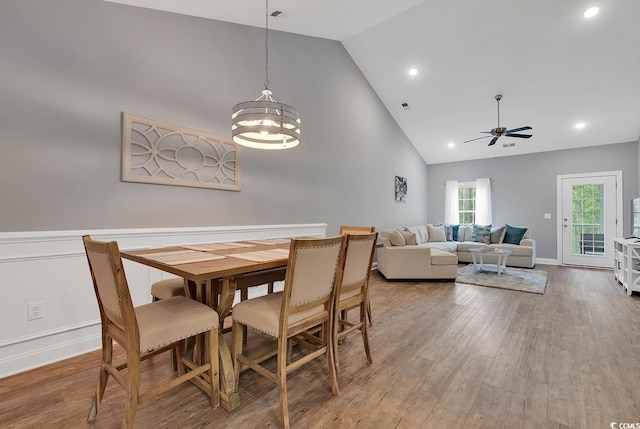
[580,125]
[591,12]
[413,71]
[452,144]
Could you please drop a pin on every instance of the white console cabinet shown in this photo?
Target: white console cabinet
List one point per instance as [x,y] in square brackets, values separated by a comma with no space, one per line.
[627,263]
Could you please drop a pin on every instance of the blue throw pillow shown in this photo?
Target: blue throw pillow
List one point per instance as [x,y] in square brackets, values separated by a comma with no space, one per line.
[448,232]
[481,234]
[454,232]
[513,235]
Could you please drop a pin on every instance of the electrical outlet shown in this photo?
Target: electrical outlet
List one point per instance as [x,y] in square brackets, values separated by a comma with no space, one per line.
[35,310]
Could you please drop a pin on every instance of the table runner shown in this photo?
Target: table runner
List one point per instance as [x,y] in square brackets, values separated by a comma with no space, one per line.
[216,246]
[177,257]
[272,241]
[263,255]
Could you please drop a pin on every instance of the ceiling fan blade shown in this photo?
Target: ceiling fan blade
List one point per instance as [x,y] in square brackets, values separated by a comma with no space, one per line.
[515,130]
[522,136]
[485,132]
[493,141]
[472,140]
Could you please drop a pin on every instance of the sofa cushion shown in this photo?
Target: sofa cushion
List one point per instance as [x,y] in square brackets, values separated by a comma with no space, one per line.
[497,235]
[516,249]
[481,234]
[436,233]
[395,237]
[466,245]
[447,246]
[513,235]
[440,257]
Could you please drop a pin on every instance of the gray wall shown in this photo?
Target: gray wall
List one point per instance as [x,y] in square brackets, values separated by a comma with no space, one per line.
[70,67]
[524,186]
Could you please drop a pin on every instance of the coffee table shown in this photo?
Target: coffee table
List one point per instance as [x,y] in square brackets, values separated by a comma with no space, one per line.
[497,257]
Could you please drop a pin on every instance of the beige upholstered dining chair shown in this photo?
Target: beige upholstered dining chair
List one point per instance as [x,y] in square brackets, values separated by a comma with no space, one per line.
[313,271]
[352,292]
[145,331]
[353,229]
[167,288]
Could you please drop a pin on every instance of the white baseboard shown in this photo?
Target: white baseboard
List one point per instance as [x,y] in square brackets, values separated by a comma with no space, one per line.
[544,261]
[50,267]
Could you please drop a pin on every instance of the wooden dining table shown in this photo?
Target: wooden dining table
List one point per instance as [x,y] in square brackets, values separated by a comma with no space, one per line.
[214,271]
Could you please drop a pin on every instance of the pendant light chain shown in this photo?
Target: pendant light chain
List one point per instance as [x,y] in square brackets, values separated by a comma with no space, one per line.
[266,45]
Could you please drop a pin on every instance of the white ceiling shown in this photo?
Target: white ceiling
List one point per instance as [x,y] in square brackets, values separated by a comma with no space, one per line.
[553,66]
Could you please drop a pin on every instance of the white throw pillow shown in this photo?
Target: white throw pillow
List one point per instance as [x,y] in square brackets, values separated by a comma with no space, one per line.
[436,233]
[465,233]
[421,233]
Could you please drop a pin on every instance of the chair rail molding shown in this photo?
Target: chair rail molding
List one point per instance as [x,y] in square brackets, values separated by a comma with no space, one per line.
[50,267]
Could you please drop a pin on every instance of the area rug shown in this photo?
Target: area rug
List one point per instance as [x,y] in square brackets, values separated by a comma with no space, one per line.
[521,279]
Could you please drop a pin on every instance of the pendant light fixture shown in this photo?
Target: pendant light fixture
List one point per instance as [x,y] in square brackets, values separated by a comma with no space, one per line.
[265,123]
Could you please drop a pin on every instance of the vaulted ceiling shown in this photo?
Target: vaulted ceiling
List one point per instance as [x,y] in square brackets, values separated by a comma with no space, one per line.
[554,67]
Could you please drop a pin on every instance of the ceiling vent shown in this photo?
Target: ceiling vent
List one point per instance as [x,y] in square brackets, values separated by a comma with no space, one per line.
[275,13]
[405,106]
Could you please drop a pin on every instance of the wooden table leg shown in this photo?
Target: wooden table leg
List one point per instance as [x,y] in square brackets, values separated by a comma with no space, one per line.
[229,397]
[208,293]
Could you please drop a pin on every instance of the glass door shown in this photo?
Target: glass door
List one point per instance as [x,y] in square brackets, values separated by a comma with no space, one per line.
[588,220]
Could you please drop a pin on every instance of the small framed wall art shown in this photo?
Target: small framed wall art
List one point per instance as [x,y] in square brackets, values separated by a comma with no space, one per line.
[401,189]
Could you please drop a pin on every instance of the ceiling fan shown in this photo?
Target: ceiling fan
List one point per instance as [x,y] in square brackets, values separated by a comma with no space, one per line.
[502,131]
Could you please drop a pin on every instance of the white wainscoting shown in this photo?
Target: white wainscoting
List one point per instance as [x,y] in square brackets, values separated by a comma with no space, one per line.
[51,266]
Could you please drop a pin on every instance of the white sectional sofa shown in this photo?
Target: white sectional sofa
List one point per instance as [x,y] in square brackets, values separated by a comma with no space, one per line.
[426,251]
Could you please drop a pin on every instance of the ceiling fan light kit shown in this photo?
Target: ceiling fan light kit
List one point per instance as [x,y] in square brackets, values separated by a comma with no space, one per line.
[502,131]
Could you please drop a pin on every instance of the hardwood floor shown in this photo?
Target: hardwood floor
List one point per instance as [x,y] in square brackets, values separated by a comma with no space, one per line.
[445,355]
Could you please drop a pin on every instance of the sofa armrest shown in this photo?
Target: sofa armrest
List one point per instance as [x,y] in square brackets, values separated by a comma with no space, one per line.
[528,242]
[531,243]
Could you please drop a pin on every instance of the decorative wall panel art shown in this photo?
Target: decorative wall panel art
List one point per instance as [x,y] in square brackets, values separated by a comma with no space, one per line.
[167,154]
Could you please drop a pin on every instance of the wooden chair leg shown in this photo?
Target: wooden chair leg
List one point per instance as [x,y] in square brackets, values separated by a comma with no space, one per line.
[282,380]
[369,312]
[103,377]
[133,389]
[365,332]
[330,358]
[344,315]
[335,338]
[211,343]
